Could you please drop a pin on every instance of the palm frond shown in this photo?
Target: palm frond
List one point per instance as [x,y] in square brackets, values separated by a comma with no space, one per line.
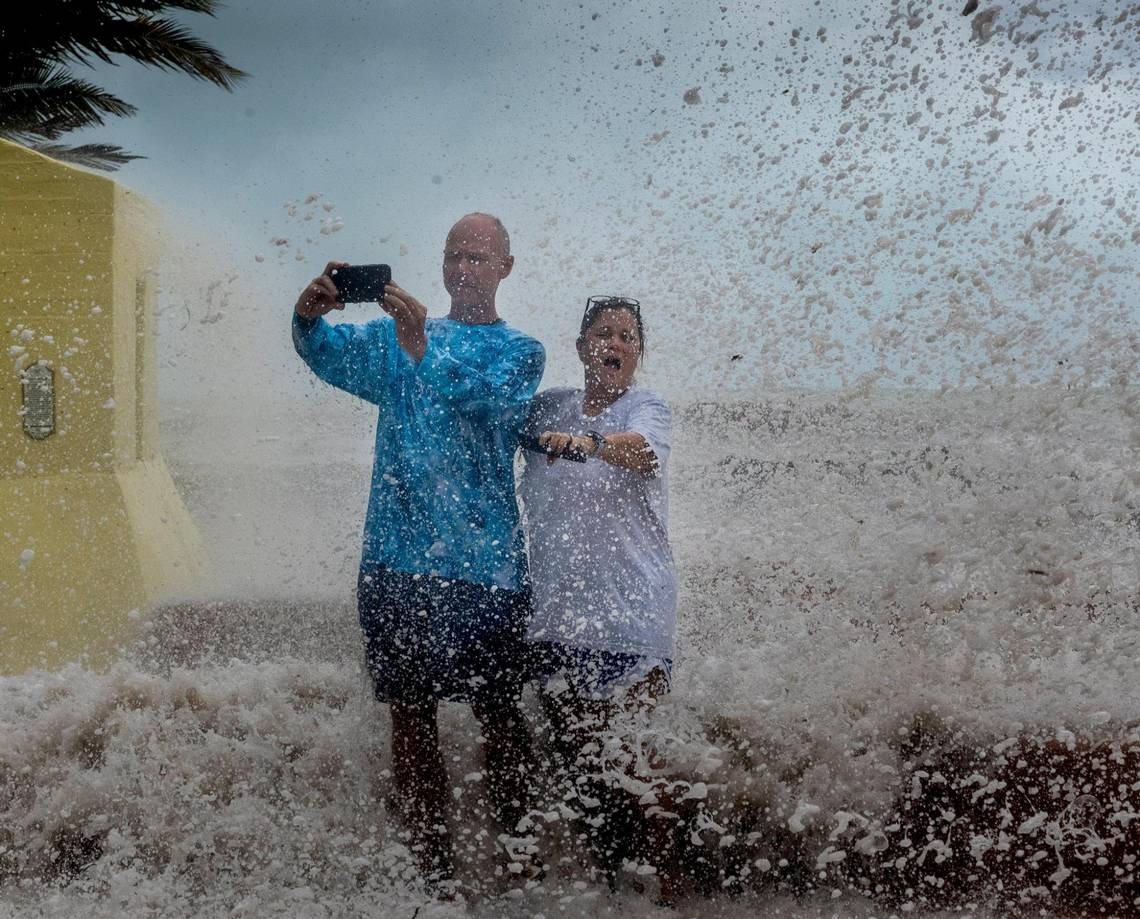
[55,30]
[155,7]
[45,100]
[208,7]
[95,156]
[167,45]
[41,100]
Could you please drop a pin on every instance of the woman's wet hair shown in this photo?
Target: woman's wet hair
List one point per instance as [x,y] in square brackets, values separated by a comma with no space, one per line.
[598,305]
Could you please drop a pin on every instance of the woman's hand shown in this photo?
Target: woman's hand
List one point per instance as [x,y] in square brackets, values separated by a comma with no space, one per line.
[626,449]
[556,443]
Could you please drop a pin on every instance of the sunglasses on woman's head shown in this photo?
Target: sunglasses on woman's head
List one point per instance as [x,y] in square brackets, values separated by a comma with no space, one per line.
[593,304]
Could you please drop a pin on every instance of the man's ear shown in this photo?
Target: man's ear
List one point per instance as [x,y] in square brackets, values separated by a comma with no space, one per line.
[508,264]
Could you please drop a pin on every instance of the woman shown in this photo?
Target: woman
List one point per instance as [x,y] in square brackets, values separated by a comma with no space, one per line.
[602,576]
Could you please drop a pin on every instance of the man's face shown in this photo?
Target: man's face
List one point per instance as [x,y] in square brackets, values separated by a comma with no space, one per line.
[474,262]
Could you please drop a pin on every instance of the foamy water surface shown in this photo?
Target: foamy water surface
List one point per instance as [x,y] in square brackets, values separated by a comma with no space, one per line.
[851,566]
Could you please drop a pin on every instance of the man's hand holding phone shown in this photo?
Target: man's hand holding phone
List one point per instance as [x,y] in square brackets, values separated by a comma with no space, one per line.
[344,283]
[320,296]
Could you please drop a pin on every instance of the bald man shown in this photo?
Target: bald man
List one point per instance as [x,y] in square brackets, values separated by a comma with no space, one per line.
[441,588]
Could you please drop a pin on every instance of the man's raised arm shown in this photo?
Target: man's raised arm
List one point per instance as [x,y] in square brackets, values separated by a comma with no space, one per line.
[345,356]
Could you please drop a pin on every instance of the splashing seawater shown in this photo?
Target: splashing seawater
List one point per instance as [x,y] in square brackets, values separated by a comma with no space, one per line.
[877,591]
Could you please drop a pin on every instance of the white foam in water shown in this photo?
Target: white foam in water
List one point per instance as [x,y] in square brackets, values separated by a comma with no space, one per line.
[847,566]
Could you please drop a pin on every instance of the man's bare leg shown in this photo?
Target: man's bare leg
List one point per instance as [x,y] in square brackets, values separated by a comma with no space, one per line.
[421,781]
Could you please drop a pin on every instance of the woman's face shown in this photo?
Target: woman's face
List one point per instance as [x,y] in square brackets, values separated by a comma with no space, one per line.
[610,349]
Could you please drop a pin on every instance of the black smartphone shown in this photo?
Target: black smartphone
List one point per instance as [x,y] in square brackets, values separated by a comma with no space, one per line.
[531,443]
[360,283]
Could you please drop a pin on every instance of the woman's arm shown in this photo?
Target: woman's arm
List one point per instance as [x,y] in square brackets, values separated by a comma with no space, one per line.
[626,449]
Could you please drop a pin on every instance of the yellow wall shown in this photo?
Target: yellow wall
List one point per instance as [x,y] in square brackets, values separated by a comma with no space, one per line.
[91,527]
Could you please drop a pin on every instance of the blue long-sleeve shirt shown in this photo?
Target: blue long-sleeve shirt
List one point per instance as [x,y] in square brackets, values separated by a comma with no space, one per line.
[442,499]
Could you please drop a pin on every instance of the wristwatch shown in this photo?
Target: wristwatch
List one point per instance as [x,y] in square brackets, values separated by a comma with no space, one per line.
[599,442]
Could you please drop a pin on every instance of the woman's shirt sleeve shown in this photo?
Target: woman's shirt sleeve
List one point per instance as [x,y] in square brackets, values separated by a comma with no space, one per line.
[652,419]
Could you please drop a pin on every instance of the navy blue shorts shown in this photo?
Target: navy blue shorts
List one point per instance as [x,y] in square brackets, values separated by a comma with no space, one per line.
[592,673]
[429,638]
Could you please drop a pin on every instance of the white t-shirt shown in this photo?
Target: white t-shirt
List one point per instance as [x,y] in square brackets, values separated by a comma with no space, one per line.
[601,568]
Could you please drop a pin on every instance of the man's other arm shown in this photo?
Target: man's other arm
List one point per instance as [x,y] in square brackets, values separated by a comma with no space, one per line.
[508,384]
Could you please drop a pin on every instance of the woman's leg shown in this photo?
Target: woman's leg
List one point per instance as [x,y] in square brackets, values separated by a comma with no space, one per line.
[624,829]
[579,728]
[659,829]
[574,722]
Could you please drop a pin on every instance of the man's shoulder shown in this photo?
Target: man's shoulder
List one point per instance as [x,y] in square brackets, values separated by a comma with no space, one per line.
[517,338]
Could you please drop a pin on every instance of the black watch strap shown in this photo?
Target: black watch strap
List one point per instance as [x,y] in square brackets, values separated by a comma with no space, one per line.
[599,441]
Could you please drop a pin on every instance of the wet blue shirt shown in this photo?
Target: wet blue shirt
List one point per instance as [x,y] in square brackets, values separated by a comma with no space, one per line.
[442,499]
